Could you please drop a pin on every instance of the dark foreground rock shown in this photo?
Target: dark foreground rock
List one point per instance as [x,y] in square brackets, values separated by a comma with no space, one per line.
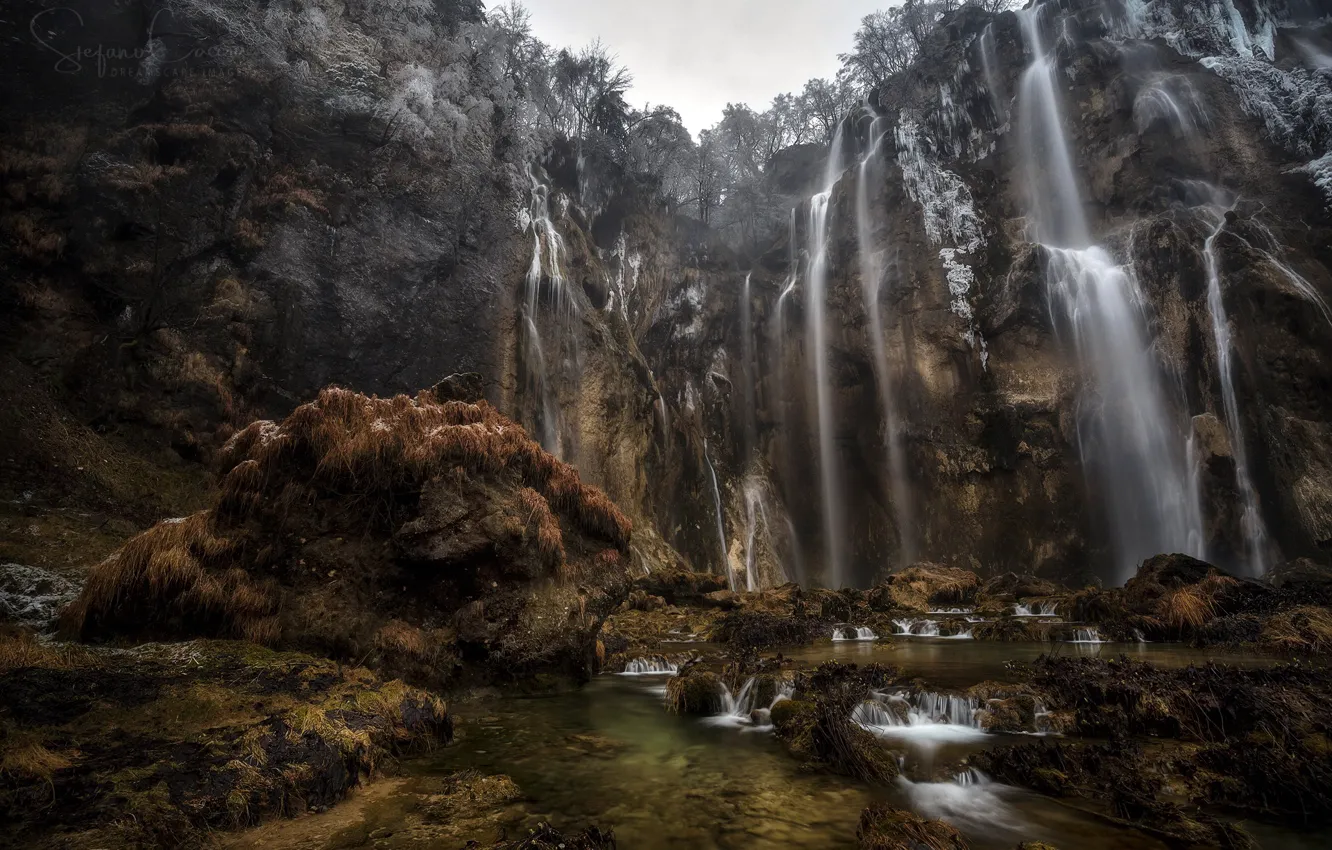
[430,540]
[815,724]
[883,827]
[166,744]
[1253,742]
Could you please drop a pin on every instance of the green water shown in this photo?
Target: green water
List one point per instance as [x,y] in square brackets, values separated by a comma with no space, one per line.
[611,754]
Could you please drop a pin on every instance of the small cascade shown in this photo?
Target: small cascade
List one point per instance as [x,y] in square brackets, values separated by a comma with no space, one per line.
[748,708]
[834,574]
[1251,523]
[957,612]
[721,527]
[1036,609]
[664,415]
[917,628]
[1087,635]
[853,633]
[871,279]
[654,666]
[926,715]
[970,801]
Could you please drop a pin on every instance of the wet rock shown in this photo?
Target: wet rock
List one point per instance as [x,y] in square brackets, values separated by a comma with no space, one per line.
[883,827]
[681,587]
[725,600]
[207,736]
[695,692]
[469,387]
[815,724]
[32,596]
[922,586]
[1303,575]
[756,629]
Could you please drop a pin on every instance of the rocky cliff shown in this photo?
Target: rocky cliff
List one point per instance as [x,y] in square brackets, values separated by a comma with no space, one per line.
[215,207]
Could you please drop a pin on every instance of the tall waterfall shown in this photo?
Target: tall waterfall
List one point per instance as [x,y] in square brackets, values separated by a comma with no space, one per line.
[1136,453]
[872,274]
[830,479]
[1255,530]
[546,265]
[748,368]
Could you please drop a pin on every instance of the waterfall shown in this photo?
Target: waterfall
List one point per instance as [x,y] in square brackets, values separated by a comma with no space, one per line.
[871,278]
[655,666]
[853,633]
[954,611]
[918,628]
[754,511]
[1255,531]
[721,528]
[547,265]
[989,63]
[834,573]
[1135,453]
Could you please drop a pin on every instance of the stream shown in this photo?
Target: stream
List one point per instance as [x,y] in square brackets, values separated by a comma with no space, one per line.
[611,754]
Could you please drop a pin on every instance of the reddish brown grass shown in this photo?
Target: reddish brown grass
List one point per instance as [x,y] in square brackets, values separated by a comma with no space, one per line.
[174,574]
[402,639]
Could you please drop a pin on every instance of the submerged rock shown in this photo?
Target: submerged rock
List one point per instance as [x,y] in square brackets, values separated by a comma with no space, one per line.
[163,745]
[33,596]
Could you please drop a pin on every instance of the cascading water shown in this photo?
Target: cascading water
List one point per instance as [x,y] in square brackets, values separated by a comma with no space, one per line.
[1132,447]
[829,477]
[1252,525]
[546,265]
[871,278]
[926,716]
[721,527]
[1088,635]
[749,708]
[655,666]
[853,633]
[1036,609]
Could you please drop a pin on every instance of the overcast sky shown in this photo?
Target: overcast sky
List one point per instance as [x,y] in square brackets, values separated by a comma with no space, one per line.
[699,55]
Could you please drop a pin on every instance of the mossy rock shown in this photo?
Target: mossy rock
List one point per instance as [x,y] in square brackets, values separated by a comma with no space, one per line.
[695,693]
[159,746]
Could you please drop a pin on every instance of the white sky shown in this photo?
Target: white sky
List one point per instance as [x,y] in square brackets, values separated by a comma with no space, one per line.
[699,55]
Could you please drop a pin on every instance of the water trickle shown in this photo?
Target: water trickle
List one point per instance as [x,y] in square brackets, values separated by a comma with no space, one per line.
[1132,446]
[1173,101]
[853,633]
[1087,635]
[1252,525]
[829,473]
[1036,609]
[989,66]
[871,279]
[655,666]
[721,527]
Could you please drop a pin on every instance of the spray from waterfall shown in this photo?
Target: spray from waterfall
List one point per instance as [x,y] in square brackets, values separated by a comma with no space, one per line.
[871,279]
[1133,448]
[829,477]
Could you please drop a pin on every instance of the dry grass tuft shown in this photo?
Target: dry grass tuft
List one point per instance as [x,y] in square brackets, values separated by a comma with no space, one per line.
[923,585]
[550,540]
[1195,605]
[1303,629]
[400,638]
[363,445]
[175,572]
[31,761]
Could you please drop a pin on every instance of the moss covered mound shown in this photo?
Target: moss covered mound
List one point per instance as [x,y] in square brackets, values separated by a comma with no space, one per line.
[919,587]
[816,723]
[160,746]
[413,535]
